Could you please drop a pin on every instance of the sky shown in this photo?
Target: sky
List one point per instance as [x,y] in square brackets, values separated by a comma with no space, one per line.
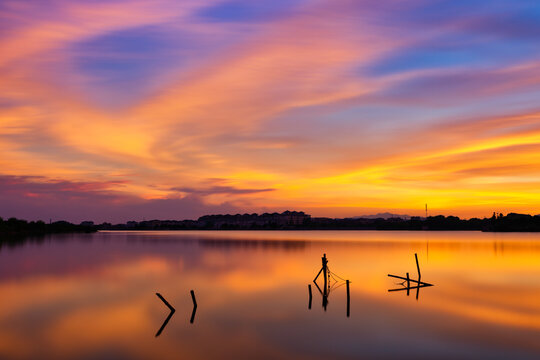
[115,110]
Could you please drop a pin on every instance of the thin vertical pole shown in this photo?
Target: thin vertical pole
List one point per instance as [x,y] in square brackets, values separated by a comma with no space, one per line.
[348,300]
[192,319]
[310,297]
[325,271]
[408,284]
[417,267]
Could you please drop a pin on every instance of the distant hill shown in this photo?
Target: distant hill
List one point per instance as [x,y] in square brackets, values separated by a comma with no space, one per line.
[385,215]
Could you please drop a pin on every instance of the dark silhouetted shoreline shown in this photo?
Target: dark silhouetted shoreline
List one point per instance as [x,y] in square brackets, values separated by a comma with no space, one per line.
[18,227]
[294,220]
[288,220]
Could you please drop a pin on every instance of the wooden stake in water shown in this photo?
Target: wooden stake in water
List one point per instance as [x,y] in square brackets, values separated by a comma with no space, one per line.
[325,271]
[168,317]
[193,298]
[310,296]
[192,319]
[417,266]
[348,299]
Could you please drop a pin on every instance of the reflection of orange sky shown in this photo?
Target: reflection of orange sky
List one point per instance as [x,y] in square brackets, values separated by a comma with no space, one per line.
[483,281]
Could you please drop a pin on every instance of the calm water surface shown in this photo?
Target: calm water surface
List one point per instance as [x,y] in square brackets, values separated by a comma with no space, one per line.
[92,296]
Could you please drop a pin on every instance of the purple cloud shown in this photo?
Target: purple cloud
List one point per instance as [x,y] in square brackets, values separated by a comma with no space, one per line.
[36,198]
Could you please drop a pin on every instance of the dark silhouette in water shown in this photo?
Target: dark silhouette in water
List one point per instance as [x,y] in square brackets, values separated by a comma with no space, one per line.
[348,299]
[191,320]
[310,296]
[408,287]
[194,307]
[17,227]
[168,317]
[327,288]
[408,280]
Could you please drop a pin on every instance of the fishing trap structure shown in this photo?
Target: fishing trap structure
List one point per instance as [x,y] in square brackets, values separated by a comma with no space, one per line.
[332,281]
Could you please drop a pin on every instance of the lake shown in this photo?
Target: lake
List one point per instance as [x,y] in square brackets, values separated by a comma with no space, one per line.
[93,296]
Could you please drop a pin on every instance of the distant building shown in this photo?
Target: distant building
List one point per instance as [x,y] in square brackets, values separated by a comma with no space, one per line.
[254,221]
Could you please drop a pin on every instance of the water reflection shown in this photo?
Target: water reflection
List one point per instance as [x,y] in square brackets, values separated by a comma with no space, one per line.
[92,296]
[328,286]
[406,281]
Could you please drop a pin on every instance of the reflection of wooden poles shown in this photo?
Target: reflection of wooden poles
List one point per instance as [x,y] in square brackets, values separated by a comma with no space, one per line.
[325,292]
[411,280]
[419,284]
[408,284]
[164,323]
[192,319]
[348,300]
[324,296]
[168,317]
[409,288]
[319,273]
[325,271]
[310,297]
[325,274]
[408,279]
[194,307]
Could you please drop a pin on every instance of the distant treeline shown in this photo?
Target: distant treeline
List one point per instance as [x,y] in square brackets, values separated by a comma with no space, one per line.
[289,220]
[14,226]
[500,223]
[300,221]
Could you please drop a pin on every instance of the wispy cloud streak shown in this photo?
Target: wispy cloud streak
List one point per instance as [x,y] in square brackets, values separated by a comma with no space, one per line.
[336,107]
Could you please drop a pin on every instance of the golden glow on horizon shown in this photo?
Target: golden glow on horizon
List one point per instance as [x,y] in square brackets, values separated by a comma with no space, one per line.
[250,119]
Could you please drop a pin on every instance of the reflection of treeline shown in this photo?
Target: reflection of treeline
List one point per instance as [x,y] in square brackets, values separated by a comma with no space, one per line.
[253,244]
[14,227]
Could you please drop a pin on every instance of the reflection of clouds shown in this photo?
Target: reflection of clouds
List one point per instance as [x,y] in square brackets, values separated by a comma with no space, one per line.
[252,244]
[250,297]
[503,303]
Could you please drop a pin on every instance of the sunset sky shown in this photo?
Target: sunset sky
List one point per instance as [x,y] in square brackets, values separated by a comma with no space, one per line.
[123,110]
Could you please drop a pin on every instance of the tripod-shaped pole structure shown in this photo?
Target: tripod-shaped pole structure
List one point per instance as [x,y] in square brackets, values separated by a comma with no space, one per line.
[324,270]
